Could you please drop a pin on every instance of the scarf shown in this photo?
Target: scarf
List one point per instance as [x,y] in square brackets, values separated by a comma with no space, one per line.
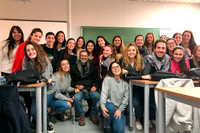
[104,63]
[162,65]
[86,71]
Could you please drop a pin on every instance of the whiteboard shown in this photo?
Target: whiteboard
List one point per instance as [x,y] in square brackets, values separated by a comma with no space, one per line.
[28,25]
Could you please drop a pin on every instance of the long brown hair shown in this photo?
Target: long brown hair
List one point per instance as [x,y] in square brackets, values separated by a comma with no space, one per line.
[60,70]
[182,63]
[196,62]
[41,59]
[138,59]
[34,31]
[192,43]
[122,47]
[145,41]
[66,54]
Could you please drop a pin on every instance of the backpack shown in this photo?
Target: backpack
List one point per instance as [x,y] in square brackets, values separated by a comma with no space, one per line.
[25,77]
[194,73]
[157,76]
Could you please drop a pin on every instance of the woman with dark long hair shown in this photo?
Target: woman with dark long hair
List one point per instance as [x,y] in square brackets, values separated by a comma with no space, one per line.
[139,41]
[8,49]
[195,60]
[150,41]
[90,48]
[171,44]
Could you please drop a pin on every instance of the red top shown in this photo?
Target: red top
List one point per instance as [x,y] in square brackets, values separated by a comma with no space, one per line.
[19,57]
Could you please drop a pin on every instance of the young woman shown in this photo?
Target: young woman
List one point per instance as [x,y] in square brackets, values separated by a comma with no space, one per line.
[80,44]
[195,60]
[118,44]
[178,38]
[150,41]
[179,64]
[67,53]
[114,99]
[132,69]
[101,42]
[139,41]
[90,48]
[188,42]
[36,59]
[63,86]
[35,36]
[171,44]
[163,37]
[8,50]
[106,59]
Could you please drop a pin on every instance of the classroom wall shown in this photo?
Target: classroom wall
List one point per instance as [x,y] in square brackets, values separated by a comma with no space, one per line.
[124,13]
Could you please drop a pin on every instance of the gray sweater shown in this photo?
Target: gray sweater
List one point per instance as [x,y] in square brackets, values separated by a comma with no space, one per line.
[63,87]
[47,72]
[115,92]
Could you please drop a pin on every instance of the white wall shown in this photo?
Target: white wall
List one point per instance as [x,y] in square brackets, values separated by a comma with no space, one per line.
[121,13]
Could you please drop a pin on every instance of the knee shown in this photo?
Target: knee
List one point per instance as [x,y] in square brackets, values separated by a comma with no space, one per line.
[69,104]
[95,95]
[77,97]
[110,107]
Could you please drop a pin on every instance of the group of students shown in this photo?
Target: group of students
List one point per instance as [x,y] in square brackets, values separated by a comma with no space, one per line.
[99,71]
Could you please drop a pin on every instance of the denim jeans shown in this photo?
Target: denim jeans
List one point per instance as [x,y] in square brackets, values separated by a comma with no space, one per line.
[117,124]
[95,96]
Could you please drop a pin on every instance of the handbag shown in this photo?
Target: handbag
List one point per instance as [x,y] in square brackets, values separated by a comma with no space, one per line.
[157,76]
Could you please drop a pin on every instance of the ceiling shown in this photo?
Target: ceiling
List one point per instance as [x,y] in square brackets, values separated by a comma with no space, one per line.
[172,1]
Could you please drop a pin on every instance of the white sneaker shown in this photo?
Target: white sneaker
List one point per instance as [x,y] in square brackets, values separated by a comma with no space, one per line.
[138,125]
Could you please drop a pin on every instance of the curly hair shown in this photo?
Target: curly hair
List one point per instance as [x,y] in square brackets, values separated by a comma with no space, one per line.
[138,59]
[41,61]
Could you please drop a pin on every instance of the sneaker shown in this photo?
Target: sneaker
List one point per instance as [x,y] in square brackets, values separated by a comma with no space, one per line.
[81,121]
[52,118]
[50,128]
[138,125]
[94,120]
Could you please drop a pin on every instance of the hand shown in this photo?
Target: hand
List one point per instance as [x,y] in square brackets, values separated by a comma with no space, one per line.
[93,89]
[100,57]
[188,51]
[50,81]
[124,71]
[146,77]
[70,100]
[117,114]
[76,90]
[104,111]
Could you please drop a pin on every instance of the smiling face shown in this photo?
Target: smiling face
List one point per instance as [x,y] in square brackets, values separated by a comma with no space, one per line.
[90,47]
[150,38]
[16,35]
[65,66]
[178,38]
[186,37]
[139,41]
[163,37]
[80,42]
[197,53]
[71,44]
[116,69]
[117,42]
[107,51]
[160,50]
[83,57]
[50,39]
[178,55]
[131,51]
[36,37]
[61,37]
[31,53]
[101,42]
[171,45]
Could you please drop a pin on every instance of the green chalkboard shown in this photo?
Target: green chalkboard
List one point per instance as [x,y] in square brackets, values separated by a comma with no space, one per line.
[127,33]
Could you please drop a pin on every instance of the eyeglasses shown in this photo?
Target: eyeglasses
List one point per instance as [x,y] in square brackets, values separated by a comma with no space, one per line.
[170,43]
[84,55]
[115,67]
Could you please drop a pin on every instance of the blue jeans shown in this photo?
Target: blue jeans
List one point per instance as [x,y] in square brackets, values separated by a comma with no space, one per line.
[117,124]
[59,105]
[95,96]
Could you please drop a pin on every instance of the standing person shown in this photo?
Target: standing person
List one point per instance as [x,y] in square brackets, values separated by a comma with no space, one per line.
[114,99]
[8,50]
[179,64]
[157,61]
[171,44]
[67,53]
[132,68]
[150,41]
[36,59]
[101,42]
[59,44]
[106,59]
[195,60]
[139,41]
[188,42]
[35,36]
[90,48]
[163,37]
[118,44]
[84,79]
[80,44]
[178,38]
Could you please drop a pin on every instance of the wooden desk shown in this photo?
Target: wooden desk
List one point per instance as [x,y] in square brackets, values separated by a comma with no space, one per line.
[147,84]
[41,99]
[187,95]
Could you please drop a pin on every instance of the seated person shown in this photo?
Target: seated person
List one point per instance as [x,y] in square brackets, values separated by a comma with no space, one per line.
[84,79]
[157,61]
[114,99]
[195,60]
